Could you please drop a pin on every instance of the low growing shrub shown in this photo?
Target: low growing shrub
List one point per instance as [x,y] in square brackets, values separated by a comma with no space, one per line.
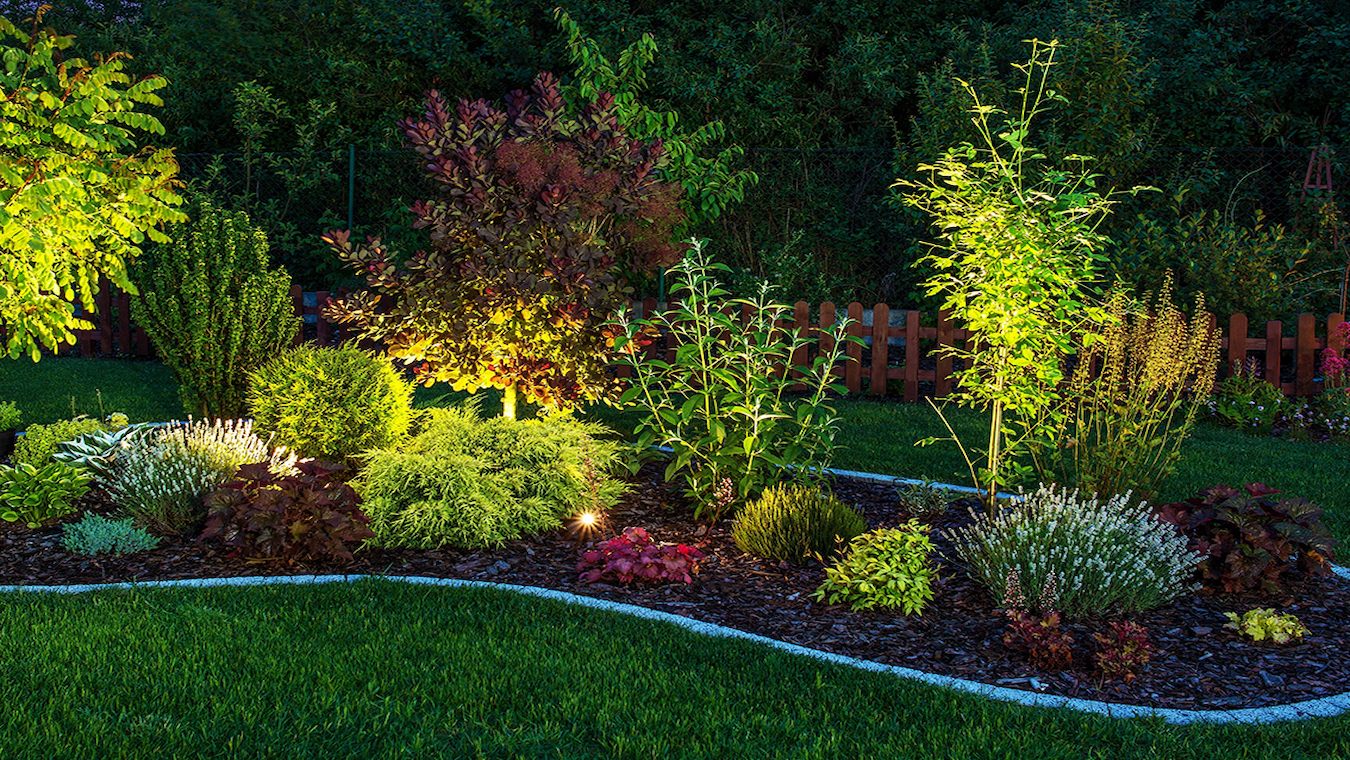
[98,453]
[33,495]
[1266,625]
[10,416]
[1123,651]
[886,568]
[305,514]
[793,522]
[163,478]
[1099,556]
[39,442]
[469,482]
[633,557]
[1245,400]
[1252,538]
[95,534]
[1040,637]
[330,403]
[925,500]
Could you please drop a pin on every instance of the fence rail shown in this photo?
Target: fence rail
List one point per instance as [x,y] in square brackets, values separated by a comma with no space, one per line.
[898,357]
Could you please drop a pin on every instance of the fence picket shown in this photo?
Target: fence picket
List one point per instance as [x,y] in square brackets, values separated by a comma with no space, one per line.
[113,332]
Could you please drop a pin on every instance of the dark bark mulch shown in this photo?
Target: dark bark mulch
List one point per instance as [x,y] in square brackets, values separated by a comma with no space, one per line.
[1198,664]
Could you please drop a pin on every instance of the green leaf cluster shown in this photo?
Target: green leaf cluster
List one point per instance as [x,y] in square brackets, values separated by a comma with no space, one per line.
[95,534]
[39,443]
[213,309]
[79,195]
[33,495]
[886,568]
[330,403]
[1266,625]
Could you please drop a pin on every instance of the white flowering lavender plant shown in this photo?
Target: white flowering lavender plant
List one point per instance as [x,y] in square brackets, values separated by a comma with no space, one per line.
[1099,556]
[163,478]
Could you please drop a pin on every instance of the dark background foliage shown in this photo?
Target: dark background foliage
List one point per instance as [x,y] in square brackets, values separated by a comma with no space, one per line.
[1214,102]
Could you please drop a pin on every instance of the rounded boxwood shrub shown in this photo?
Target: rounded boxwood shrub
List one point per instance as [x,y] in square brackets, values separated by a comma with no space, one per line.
[792,522]
[468,482]
[330,403]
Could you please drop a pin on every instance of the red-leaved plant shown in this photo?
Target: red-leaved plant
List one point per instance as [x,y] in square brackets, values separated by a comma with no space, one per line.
[633,557]
[306,515]
[542,213]
[1250,538]
[1123,651]
[1039,637]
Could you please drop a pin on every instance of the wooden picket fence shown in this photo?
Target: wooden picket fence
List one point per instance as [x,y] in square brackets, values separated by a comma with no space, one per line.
[898,357]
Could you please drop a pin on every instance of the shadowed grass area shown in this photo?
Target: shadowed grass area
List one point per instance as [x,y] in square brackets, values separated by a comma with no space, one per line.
[380,670]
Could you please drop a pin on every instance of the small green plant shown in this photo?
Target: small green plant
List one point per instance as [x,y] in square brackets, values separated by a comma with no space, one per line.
[33,495]
[724,404]
[1019,252]
[39,443]
[1098,556]
[886,568]
[213,309]
[330,403]
[793,522]
[467,482]
[10,416]
[925,500]
[1266,625]
[1246,401]
[162,479]
[95,534]
[1122,651]
[98,452]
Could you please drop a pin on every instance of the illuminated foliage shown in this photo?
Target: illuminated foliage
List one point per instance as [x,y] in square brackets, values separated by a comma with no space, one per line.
[1019,250]
[539,217]
[78,196]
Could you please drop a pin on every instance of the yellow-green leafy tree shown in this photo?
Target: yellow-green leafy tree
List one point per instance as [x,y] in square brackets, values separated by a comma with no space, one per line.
[79,193]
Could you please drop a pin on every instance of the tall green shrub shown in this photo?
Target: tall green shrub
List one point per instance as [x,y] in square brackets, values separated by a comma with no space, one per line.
[1018,254]
[213,309]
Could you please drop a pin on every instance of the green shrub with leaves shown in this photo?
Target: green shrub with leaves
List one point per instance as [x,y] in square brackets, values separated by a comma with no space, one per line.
[79,194]
[886,568]
[1018,255]
[213,309]
[793,522]
[726,404]
[467,482]
[330,403]
[1086,555]
[33,495]
[925,500]
[10,416]
[163,478]
[1266,625]
[39,443]
[95,534]
[1247,401]
[98,452]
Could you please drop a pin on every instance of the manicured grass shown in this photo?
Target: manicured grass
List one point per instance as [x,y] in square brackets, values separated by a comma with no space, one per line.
[48,390]
[382,670]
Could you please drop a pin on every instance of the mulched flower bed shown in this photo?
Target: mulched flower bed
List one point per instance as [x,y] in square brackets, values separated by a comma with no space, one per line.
[1198,664]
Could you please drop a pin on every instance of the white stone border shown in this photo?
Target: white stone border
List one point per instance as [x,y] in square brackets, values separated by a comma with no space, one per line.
[1324,707]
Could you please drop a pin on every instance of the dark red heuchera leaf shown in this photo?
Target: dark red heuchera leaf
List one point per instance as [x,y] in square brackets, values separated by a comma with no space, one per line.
[1250,538]
[308,515]
[1040,638]
[1123,651]
[540,216]
[633,557]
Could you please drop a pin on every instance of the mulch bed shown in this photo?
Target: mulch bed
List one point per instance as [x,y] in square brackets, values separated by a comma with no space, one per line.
[1198,665]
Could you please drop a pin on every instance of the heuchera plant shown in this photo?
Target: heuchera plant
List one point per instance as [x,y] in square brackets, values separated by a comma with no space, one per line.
[1250,539]
[1039,637]
[308,514]
[1123,651]
[540,216]
[634,557]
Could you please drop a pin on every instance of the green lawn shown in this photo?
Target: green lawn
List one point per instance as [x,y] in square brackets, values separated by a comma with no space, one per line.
[384,670]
